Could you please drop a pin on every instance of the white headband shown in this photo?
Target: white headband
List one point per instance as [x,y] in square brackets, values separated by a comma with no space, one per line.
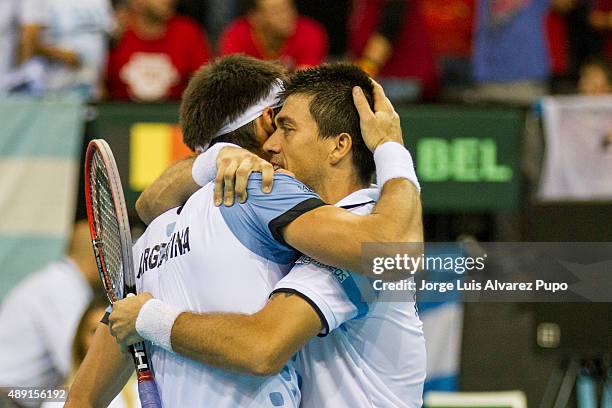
[272,100]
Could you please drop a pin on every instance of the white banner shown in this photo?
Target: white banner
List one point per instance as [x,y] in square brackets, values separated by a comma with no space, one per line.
[578,157]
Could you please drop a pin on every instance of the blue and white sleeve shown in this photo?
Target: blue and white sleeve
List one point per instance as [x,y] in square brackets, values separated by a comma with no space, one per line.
[335,294]
[259,222]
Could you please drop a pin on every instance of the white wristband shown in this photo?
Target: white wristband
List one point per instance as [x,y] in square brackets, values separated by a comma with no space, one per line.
[204,167]
[155,321]
[394,161]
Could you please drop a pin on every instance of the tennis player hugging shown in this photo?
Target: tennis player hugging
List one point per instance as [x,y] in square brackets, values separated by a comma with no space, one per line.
[245,317]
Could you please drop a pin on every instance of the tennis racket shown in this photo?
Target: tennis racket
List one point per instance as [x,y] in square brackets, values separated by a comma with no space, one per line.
[112,244]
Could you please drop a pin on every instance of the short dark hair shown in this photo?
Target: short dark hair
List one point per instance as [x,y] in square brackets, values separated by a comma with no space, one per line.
[220,92]
[332,107]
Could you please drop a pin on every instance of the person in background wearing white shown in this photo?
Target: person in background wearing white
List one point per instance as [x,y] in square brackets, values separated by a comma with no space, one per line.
[128,398]
[39,317]
[70,43]
[15,16]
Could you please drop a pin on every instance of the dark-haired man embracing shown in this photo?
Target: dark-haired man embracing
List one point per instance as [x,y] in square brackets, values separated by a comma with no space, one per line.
[374,352]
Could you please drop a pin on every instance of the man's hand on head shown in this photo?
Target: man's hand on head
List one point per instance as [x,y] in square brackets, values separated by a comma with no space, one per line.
[381,125]
[122,321]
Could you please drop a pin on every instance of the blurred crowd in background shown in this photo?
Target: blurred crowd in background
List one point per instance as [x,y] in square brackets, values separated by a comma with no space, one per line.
[466,51]
[470,50]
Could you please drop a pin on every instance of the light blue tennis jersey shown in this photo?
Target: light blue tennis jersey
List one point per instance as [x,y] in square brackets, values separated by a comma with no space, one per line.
[204,258]
[373,350]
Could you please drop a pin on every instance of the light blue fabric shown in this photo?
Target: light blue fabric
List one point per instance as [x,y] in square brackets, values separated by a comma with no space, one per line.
[357,288]
[36,131]
[22,254]
[42,128]
[443,383]
[250,222]
[438,324]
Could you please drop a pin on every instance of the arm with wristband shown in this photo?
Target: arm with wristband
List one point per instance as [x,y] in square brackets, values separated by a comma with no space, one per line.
[309,301]
[334,236]
[330,234]
[262,342]
[256,344]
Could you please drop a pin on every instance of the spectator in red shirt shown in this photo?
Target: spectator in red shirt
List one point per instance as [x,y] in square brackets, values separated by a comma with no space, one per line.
[272,29]
[450,25]
[558,44]
[389,39]
[156,55]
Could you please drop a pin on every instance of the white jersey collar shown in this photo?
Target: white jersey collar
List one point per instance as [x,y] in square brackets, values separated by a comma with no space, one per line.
[360,197]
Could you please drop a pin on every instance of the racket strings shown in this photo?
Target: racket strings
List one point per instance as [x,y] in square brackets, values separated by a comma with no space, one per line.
[107,227]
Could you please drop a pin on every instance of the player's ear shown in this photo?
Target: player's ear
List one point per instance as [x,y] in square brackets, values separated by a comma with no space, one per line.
[266,120]
[340,148]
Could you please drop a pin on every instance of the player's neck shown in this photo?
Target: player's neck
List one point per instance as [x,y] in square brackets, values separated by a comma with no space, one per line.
[338,185]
